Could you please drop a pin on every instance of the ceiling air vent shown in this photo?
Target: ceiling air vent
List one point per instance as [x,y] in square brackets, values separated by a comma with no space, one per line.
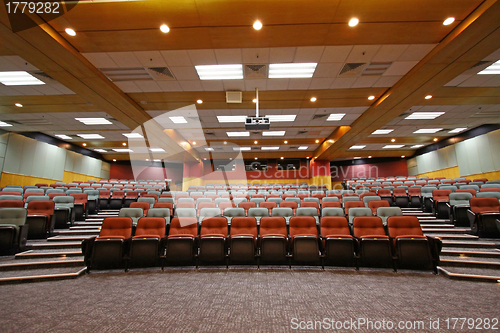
[481,63]
[302,132]
[352,69]
[319,116]
[161,73]
[297,147]
[127,74]
[233,97]
[209,133]
[32,122]
[376,68]
[486,114]
[42,75]
[255,71]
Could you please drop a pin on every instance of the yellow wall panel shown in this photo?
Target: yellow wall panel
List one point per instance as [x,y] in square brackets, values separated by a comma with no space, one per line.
[447,173]
[69,177]
[23,180]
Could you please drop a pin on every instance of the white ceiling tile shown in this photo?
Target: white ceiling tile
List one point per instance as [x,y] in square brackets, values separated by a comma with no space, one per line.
[321,83]
[475,81]
[328,69]
[125,59]
[234,85]
[151,58]
[185,73]
[387,81]
[228,56]
[459,79]
[169,85]
[365,82]
[336,53]
[299,84]
[128,87]
[255,56]
[416,52]
[493,82]
[27,90]
[63,89]
[100,60]
[250,85]
[46,89]
[212,85]
[148,86]
[363,53]
[202,57]
[342,82]
[21,63]
[306,54]
[389,53]
[400,68]
[191,85]
[277,84]
[281,55]
[176,58]
[6,65]
[494,56]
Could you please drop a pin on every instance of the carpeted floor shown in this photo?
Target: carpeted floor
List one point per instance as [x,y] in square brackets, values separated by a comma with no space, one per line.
[240,300]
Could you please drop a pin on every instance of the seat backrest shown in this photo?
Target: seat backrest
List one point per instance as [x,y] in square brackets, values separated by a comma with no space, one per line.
[189,226]
[467,190]
[13,215]
[414,191]
[488,195]
[367,194]
[244,226]
[282,211]
[258,211]
[116,227]
[352,204]
[185,205]
[214,226]
[383,192]
[490,189]
[233,211]
[385,212]
[330,199]
[484,205]
[460,198]
[185,212]
[209,212]
[159,212]
[331,204]
[64,201]
[80,198]
[131,212]
[332,211]
[151,227]
[334,226]
[273,226]
[12,203]
[246,205]
[143,205]
[441,195]
[303,225]
[403,226]
[223,205]
[307,211]
[42,207]
[359,211]
[118,194]
[368,226]
[268,205]
[369,198]
[151,201]
[375,204]
[10,197]
[426,191]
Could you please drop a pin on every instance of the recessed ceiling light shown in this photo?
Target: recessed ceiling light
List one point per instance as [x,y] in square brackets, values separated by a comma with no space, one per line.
[313,99]
[204,158]
[371,98]
[492,69]
[94,121]
[369,157]
[283,117]
[273,133]
[357,147]
[292,70]
[100,150]
[317,141]
[331,141]
[209,149]
[424,115]
[353,22]
[383,131]
[133,135]
[178,120]
[124,144]
[257,25]
[335,116]
[282,157]
[449,21]
[231,119]
[416,146]
[285,142]
[402,156]
[427,130]
[392,146]
[356,158]
[393,140]
[308,157]
[238,134]
[458,130]
[435,139]
[428,97]
[199,101]
[255,142]
[225,142]
[90,136]
[159,150]
[19,78]
[302,147]
[114,159]
[123,150]
[70,31]
[270,148]
[164,28]
[220,72]
[194,143]
[63,136]
[19,105]
[241,148]
[157,160]
[84,144]
[256,158]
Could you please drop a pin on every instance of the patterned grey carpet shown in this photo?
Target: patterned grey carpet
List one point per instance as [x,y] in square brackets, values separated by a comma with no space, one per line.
[240,300]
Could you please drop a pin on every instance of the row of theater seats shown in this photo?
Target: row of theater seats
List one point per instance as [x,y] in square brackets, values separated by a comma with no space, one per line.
[333,242]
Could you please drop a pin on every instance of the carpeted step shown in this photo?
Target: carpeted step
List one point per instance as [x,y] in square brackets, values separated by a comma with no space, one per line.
[39,275]
[471,253]
[53,245]
[12,265]
[52,253]
[470,274]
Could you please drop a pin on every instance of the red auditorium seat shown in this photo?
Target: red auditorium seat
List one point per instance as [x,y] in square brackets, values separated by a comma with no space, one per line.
[304,239]
[291,204]
[468,190]
[12,203]
[247,206]
[375,204]
[490,189]
[168,205]
[104,196]
[184,205]
[415,197]
[145,247]
[116,200]
[212,239]
[130,196]
[144,205]
[352,204]
[80,205]
[374,244]
[311,204]
[400,197]
[243,239]
[330,204]
[268,205]
[338,243]
[273,239]
[483,214]
[367,194]
[440,198]
[40,218]
[385,194]
[180,244]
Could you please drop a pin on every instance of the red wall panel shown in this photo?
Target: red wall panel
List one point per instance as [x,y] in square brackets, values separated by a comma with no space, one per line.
[385,169]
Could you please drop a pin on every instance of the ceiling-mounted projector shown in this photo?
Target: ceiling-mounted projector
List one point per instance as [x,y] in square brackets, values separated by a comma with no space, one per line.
[257,123]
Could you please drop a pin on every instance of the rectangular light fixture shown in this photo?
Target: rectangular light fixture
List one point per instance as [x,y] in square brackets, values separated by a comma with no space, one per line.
[123,150]
[273,133]
[335,116]
[270,148]
[427,130]
[64,137]
[392,146]
[357,147]
[100,150]
[284,117]
[458,130]
[241,148]
[424,115]
[231,119]
[156,160]
[416,146]
[292,70]
[133,135]
[209,149]
[220,72]
[178,120]
[238,133]
[302,147]
[90,136]
[157,150]
[383,131]
[357,158]
[19,78]
[94,121]
[4,124]
[491,69]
